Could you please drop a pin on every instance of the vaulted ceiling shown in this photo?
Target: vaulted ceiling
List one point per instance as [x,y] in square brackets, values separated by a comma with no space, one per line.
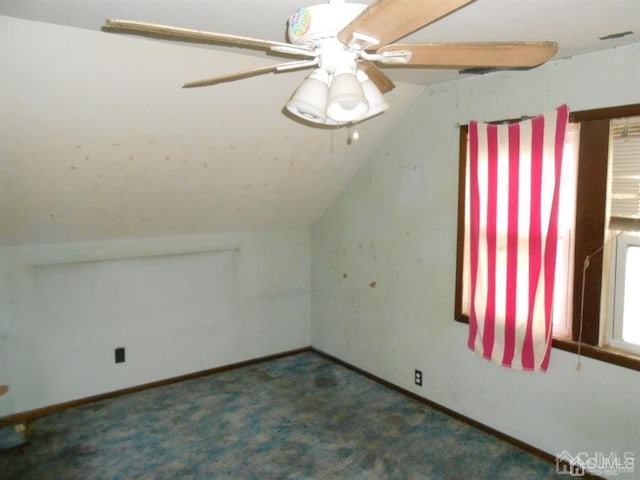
[98,140]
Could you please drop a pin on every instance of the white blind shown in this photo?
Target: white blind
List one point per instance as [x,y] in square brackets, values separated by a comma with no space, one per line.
[624,202]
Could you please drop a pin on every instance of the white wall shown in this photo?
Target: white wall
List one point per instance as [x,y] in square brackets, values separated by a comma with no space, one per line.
[178,305]
[395,224]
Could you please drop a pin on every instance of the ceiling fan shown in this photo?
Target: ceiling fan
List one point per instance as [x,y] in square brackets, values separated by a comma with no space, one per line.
[345,43]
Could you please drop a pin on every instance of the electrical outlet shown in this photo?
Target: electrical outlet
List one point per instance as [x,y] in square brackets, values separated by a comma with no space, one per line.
[120,355]
[417,376]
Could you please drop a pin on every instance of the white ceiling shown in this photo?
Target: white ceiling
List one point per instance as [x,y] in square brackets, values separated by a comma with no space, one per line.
[98,140]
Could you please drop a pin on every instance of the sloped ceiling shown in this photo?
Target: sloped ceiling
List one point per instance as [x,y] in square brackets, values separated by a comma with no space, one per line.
[98,140]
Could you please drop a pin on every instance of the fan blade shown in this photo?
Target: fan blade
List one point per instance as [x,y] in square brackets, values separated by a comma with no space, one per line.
[389,20]
[376,75]
[455,55]
[251,73]
[198,36]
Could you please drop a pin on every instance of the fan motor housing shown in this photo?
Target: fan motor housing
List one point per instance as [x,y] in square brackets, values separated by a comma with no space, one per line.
[312,25]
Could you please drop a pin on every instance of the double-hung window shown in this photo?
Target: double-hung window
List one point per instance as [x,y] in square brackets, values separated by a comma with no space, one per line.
[623,236]
[597,293]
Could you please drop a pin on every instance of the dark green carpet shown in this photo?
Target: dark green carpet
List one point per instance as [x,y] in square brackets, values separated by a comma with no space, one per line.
[297,417]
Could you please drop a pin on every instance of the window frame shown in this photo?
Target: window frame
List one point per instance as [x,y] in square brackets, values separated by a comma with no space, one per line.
[621,244]
[590,228]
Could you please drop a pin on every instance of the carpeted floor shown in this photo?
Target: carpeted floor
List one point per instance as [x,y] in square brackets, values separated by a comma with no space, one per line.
[297,417]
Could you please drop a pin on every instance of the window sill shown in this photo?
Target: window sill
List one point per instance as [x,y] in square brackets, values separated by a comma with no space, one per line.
[604,354]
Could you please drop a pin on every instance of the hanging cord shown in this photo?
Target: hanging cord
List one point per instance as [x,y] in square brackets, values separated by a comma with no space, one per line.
[585,266]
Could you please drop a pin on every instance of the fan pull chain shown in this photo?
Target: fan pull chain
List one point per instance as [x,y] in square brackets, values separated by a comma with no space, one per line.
[354,135]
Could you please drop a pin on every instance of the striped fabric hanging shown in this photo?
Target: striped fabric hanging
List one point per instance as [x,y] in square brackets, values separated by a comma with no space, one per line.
[514,179]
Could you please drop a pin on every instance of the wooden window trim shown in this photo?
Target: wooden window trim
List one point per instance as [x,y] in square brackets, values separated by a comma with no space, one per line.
[462,181]
[589,232]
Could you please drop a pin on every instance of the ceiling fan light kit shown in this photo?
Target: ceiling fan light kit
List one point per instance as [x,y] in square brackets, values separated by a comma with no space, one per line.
[352,97]
[346,43]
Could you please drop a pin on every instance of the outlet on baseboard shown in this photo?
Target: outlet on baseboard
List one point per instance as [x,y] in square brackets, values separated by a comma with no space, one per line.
[120,355]
[417,376]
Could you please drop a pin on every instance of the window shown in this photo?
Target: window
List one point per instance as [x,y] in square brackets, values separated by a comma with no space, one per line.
[624,328]
[566,219]
[623,236]
[579,317]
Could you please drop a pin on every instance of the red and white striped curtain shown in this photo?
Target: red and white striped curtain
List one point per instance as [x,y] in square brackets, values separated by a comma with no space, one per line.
[512,202]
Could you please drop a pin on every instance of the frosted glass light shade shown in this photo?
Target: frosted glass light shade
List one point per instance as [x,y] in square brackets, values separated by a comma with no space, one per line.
[310,99]
[347,102]
[377,103]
